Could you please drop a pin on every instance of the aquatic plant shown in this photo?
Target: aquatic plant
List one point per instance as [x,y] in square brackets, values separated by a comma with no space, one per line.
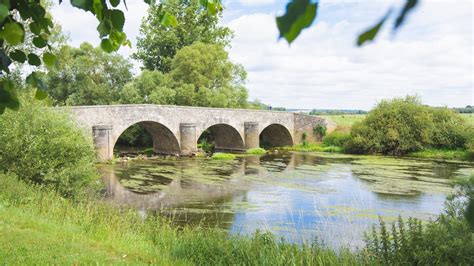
[223,156]
[256,151]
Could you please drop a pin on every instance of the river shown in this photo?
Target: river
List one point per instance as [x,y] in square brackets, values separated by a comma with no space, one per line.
[300,197]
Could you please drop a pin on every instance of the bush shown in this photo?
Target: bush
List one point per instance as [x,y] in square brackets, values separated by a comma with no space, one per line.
[256,151]
[336,139]
[404,125]
[320,130]
[223,156]
[206,146]
[148,152]
[43,146]
[449,129]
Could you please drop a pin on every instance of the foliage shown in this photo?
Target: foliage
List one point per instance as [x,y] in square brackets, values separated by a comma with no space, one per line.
[404,125]
[206,77]
[206,146]
[43,146]
[223,156]
[201,75]
[444,154]
[336,139]
[320,130]
[135,136]
[157,44]
[148,152]
[450,130]
[256,151]
[87,76]
[447,240]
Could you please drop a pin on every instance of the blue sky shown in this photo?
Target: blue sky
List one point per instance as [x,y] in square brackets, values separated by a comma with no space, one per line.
[431,55]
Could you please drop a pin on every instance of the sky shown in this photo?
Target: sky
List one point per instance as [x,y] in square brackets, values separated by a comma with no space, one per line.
[431,55]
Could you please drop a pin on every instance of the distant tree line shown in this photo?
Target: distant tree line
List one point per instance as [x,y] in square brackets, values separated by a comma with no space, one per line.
[464,110]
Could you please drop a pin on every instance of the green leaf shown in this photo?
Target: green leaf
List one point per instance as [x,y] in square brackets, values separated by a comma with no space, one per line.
[35,28]
[370,34]
[103,28]
[299,15]
[409,5]
[82,4]
[8,96]
[34,60]
[35,81]
[115,3]
[18,55]
[49,59]
[40,94]
[150,2]
[13,33]
[5,61]
[106,45]
[39,42]
[97,7]
[118,19]
[4,12]
[167,19]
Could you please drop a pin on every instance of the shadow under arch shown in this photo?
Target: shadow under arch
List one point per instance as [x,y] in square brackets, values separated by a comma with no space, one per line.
[275,135]
[224,137]
[164,141]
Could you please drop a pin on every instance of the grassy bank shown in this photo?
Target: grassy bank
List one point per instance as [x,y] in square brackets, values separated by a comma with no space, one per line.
[443,154]
[40,227]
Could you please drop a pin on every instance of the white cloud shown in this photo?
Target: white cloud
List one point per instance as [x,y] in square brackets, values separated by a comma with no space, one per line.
[430,56]
[256,2]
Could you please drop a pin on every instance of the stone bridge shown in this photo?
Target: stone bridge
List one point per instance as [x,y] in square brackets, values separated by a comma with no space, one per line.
[176,129]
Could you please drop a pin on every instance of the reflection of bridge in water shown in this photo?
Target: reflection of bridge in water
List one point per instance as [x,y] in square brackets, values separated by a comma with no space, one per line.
[176,129]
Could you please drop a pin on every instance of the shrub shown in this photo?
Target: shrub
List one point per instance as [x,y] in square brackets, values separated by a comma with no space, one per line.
[43,146]
[256,151]
[223,156]
[206,146]
[336,139]
[320,130]
[149,152]
[449,129]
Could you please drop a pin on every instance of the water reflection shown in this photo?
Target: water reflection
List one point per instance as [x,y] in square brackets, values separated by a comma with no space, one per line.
[298,196]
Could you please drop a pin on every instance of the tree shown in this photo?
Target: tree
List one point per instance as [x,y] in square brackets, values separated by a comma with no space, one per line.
[157,44]
[200,75]
[205,72]
[87,76]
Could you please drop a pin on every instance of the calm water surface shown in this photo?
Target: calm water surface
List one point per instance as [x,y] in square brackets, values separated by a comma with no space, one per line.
[298,196]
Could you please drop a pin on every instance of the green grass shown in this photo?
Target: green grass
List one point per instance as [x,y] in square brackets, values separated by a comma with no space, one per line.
[40,227]
[344,121]
[312,147]
[256,151]
[441,154]
[223,156]
[469,118]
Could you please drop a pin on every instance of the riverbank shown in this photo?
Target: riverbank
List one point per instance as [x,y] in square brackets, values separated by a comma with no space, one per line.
[40,227]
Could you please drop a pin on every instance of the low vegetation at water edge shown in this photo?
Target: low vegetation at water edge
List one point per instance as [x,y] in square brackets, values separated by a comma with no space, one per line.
[256,151]
[223,156]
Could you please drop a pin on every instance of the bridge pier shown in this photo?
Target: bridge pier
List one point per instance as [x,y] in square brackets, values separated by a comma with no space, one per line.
[102,135]
[188,138]
[251,135]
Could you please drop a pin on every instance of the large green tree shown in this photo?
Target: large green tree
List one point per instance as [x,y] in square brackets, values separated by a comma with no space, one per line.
[200,75]
[157,43]
[87,76]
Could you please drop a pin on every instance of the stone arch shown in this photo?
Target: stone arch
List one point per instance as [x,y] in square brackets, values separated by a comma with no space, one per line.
[224,137]
[164,141]
[275,135]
